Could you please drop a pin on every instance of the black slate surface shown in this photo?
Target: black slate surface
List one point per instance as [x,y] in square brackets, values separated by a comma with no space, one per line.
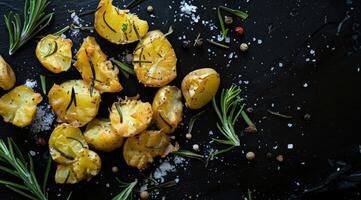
[289,30]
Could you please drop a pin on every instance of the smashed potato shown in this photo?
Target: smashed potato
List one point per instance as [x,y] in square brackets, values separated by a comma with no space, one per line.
[140,150]
[69,149]
[54,53]
[100,135]
[74,103]
[65,143]
[95,69]
[118,26]
[7,75]
[19,106]
[199,87]
[130,117]
[155,60]
[168,108]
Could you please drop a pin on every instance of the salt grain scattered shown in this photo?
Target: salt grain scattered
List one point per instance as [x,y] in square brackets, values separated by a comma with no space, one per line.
[31,83]
[290,146]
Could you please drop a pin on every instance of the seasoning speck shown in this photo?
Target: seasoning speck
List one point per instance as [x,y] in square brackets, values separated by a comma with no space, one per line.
[250,155]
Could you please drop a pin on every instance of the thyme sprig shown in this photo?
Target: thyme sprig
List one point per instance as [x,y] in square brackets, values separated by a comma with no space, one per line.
[34,20]
[127,191]
[13,163]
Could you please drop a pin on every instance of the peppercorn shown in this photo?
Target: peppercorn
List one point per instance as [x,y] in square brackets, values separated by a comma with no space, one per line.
[186,44]
[228,20]
[239,30]
[250,155]
[115,169]
[189,136]
[150,9]
[144,195]
[243,47]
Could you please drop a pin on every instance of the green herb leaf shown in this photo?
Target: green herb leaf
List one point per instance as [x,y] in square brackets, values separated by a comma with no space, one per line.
[124,27]
[279,114]
[189,154]
[124,68]
[127,192]
[28,187]
[237,13]
[218,44]
[62,31]
[46,174]
[34,20]
[221,22]
[43,83]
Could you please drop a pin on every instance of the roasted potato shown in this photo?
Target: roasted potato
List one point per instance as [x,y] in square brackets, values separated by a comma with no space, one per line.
[54,53]
[118,26]
[87,165]
[199,87]
[65,143]
[7,75]
[140,150]
[100,135]
[168,108]
[19,106]
[154,60]
[74,103]
[95,69]
[130,117]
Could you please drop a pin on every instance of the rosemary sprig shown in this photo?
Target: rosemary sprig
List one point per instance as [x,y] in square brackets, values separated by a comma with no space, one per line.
[235,12]
[218,44]
[16,165]
[228,113]
[193,120]
[279,114]
[124,68]
[221,22]
[133,3]
[128,190]
[43,83]
[35,20]
[189,154]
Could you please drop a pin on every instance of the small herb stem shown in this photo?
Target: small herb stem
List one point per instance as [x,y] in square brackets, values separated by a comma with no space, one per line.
[279,114]
[218,44]
[43,83]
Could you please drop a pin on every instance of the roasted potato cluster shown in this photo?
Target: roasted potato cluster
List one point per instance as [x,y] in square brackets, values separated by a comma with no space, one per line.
[74,103]
[54,53]
[154,60]
[140,150]
[130,117]
[19,106]
[168,108]
[199,87]
[100,135]
[7,75]
[69,149]
[118,26]
[95,69]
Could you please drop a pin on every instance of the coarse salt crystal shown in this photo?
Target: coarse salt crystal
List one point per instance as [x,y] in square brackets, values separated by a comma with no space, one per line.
[290,146]
[31,83]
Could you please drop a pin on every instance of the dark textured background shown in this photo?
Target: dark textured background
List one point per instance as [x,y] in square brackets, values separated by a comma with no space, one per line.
[332,98]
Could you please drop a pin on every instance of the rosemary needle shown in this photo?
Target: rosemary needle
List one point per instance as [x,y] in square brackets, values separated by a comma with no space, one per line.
[218,44]
[127,192]
[43,83]
[279,114]
[189,154]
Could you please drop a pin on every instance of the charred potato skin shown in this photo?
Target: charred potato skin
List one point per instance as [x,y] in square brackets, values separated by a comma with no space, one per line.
[139,151]
[168,108]
[136,117]
[118,26]
[19,106]
[155,62]
[199,87]
[100,135]
[7,75]
[87,105]
[90,57]
[60,60]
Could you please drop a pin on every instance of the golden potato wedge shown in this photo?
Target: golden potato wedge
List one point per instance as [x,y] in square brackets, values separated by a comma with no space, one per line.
[86,166]
[199,87]
[54,53]
[95,69]
[138,151]
[168,108]
[130,117]
[19,106]
[118,26]
[7,75]
[73,103]
[100,135]
[154,60]
[65,143]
